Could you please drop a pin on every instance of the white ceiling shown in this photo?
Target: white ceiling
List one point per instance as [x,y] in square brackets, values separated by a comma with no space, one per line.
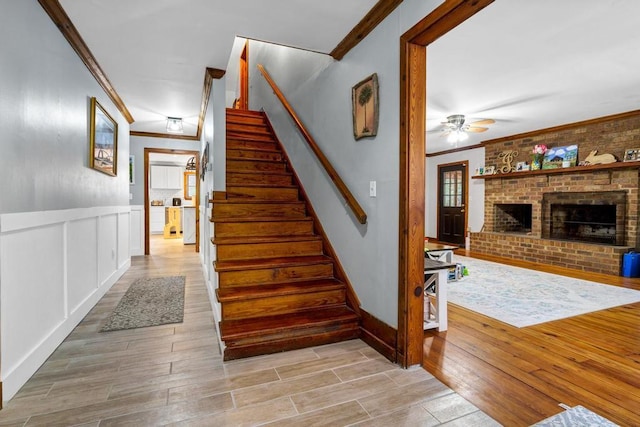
[535,64]
[527,64]
[155,52]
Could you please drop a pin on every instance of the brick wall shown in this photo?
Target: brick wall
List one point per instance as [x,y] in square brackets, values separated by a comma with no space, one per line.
[614,137]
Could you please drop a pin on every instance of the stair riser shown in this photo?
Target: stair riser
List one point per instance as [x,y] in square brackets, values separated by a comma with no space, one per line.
[237,350]
[230,252]
[249,136]
[228,279]
[262,193]
[257,178]
[258,129]
[252,154]
[280,304]
[254,166]
[267,228]
[248,210]
[237,144]
[245,120]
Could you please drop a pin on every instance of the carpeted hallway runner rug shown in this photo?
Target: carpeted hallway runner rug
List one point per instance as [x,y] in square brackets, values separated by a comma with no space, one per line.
[149,302]
[523,297]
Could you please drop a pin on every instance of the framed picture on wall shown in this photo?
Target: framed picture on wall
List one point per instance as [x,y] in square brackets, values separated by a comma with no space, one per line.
[364,97]
[103,140]
[132,170]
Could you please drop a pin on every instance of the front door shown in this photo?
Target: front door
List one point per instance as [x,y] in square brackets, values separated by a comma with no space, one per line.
[452,202]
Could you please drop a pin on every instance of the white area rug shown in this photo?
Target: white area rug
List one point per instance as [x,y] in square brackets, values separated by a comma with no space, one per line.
[522,297]
[578,416]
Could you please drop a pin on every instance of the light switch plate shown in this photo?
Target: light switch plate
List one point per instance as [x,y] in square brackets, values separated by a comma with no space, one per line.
[372,189]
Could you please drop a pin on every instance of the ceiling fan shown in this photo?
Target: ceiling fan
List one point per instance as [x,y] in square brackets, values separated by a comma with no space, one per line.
[456,130]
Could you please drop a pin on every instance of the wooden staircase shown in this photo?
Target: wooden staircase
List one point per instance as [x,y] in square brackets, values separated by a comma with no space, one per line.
[277,285]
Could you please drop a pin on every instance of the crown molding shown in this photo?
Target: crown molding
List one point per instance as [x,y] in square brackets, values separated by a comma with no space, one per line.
[454,150]
[69,31]
[375,16]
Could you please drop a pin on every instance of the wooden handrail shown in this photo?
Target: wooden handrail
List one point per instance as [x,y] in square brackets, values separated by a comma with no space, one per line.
[337,181]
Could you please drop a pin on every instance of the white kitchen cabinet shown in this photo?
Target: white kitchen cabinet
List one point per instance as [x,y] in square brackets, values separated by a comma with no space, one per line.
[166,177]
[156,219]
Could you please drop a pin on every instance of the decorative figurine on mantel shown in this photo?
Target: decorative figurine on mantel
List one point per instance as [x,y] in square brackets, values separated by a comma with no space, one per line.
[538,156]
[599,159]
[507,158]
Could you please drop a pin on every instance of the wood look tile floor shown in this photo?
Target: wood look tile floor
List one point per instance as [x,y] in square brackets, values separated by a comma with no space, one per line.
[174,374]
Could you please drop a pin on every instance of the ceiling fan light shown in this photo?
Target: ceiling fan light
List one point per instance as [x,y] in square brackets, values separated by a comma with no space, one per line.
[174,125]
[457,136]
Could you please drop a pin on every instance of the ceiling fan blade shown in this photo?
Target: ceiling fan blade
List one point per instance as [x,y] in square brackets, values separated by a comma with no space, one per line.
[483,122]
[476,129]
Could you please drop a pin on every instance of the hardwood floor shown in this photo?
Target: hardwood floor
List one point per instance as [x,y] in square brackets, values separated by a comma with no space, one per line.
[174,374]
[518,376]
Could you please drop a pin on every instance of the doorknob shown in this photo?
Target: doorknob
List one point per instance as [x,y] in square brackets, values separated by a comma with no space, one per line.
[462,210]
[417,291]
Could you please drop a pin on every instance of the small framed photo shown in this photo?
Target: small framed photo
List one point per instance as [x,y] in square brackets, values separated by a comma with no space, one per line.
[489,170]
[631,155]
[132,170]
[522,166]
[103,140]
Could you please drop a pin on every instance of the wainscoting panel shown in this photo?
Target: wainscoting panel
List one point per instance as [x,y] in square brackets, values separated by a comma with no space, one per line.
[54,267]
[32,292]
[107,246]
[82,259]
[124,237]
[136,246]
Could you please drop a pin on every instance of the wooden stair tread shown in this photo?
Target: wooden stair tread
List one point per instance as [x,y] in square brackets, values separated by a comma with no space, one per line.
[256,149]
[261,326]
[257,185]
[250,240]
[237,112]
[244,201]
[261,219]
[242,293]
[261,263]
[253,159]
[258,172]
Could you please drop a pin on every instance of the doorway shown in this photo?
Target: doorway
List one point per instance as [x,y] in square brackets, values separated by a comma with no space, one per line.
[166,202]
[452,202]
[243,101]
[413,101]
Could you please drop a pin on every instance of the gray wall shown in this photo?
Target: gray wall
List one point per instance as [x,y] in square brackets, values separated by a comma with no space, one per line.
[319,89]
[44,120]
[138,144]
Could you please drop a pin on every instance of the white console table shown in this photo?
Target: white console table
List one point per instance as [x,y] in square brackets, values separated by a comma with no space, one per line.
[435,303]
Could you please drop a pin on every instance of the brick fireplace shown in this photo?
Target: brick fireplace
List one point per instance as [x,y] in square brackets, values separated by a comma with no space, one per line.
[598,204]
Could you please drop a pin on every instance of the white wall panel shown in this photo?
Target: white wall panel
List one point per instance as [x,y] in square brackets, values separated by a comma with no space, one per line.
[32,289]
[50,264]
[124,237]
[137,230]
[82,245]
[107,246]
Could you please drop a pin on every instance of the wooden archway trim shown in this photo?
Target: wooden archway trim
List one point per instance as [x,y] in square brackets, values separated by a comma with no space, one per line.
[413,101]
